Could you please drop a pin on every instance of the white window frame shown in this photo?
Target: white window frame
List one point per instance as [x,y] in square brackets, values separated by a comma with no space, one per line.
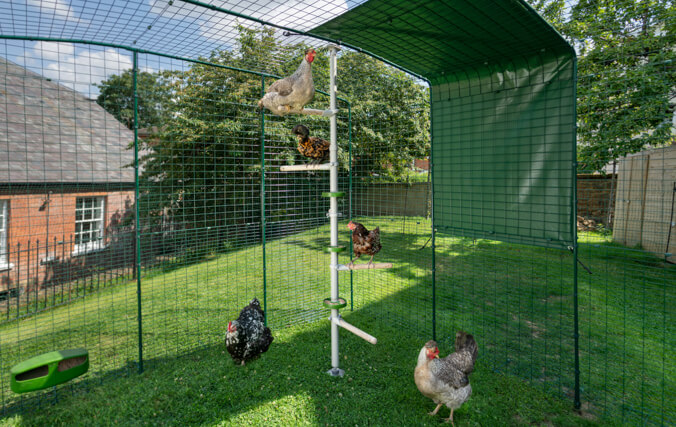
[93,221]
[4,265]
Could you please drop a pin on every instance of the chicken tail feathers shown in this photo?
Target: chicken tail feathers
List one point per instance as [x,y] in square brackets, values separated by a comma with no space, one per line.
[465,341]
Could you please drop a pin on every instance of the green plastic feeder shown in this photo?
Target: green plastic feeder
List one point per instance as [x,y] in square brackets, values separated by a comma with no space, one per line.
[49,369]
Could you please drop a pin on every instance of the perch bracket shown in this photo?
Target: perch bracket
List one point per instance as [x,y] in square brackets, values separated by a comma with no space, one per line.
[335,305]
[333,194]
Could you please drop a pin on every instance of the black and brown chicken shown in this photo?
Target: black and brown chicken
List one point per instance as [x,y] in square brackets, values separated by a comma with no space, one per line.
[314,148]
[291,94]
[248,337]
[446,381]
[364,242]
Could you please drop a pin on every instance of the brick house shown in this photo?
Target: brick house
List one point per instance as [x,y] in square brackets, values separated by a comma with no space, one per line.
[66,187]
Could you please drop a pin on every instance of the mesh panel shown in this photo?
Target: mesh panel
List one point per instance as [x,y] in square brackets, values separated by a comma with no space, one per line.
[219,223]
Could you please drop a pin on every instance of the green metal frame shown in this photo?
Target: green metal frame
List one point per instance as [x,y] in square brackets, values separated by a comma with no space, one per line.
[263,75]
[263,222]
[137,228]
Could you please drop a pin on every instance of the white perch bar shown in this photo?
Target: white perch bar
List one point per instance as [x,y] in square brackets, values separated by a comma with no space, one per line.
[375,265]
[355,330]
[312,112]
[294,168]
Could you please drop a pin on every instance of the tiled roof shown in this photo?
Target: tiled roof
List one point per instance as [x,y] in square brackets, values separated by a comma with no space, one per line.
[53,134]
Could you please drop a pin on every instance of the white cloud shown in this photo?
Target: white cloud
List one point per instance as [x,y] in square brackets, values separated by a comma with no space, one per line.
[57,8]
[301,15]
[77,68]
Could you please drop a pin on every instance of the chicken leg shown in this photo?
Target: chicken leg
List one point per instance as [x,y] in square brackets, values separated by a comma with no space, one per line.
[435,409]
[450,418]
[353,260]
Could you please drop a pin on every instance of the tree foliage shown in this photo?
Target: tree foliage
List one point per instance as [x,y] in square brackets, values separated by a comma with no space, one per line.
[154,98]
[626,73]
[207,151]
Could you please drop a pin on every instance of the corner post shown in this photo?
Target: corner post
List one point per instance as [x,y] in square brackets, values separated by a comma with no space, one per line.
[137,231]
[263,223]
[433,237]
[577,403]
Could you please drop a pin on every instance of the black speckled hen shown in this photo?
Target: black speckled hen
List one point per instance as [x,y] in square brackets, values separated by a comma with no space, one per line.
[248,337]
[314,148]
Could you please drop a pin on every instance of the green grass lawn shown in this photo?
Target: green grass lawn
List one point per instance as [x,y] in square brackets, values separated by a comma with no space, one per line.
[289,386]
[516,300]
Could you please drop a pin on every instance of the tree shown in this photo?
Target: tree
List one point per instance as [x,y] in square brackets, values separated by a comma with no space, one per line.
[154,99]
[390,113]
[627,77]
[210,149]
[626,74]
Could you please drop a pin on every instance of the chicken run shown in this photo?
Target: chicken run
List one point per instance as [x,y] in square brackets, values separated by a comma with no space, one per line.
[177,175]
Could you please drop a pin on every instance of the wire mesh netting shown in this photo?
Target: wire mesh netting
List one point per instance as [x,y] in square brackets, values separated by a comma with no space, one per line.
[143,267]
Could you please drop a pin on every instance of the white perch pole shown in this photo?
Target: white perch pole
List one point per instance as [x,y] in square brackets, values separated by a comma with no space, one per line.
[355,330]
[310,111]
[375,265]
[333,212]
[293,168]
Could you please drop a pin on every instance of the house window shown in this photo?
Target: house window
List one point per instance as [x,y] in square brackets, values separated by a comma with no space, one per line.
[88,225]
[3,235]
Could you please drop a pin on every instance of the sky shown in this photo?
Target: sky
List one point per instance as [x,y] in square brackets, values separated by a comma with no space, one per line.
[159,25]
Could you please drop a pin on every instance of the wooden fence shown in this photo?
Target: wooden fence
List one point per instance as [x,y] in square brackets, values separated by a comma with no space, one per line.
[644,206]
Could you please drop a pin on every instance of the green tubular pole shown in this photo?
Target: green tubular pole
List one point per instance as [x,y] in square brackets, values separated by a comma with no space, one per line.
[573,220]
[137,233]
[265,275]
[349,168]
[150,52]
[133,49]
[434,261]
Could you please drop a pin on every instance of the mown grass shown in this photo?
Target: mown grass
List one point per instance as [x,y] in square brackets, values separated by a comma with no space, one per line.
[516,300]
[289,386]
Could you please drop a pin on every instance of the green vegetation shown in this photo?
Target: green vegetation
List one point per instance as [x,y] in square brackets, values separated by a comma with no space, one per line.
[288,386]
[208,129]
[515,299]
[626,74]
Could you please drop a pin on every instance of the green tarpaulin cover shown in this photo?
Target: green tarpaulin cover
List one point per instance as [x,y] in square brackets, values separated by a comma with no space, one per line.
[503,110]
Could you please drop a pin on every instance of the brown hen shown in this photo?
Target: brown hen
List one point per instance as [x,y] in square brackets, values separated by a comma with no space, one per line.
[364,242]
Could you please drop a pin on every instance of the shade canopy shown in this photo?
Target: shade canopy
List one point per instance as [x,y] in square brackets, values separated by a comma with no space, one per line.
[502,86]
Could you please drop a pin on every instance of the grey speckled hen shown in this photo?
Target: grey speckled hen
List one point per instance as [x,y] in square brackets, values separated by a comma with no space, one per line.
[248,337]
[446,381]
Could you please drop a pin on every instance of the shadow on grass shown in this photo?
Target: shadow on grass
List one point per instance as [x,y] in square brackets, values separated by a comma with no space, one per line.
[515,299]
[288,386]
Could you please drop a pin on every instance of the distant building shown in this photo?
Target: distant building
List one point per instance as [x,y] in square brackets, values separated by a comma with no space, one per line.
[66,185]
